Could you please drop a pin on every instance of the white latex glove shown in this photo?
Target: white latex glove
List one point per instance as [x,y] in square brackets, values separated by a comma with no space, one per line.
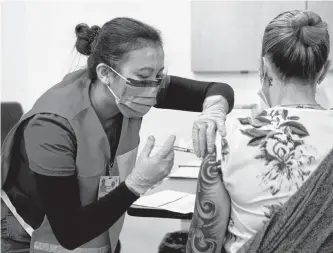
[211,119]
[150,170]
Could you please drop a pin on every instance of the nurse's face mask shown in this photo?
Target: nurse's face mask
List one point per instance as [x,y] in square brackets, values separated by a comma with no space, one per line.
[137,97]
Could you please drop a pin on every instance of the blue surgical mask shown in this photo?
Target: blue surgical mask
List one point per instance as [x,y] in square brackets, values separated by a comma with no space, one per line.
[137,96]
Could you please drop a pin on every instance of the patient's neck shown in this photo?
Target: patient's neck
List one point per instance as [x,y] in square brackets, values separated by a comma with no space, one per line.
[298,94]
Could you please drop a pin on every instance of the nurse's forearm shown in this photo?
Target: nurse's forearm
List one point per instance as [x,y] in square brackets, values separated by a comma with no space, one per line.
[211,212]
[72,223]
[188,95]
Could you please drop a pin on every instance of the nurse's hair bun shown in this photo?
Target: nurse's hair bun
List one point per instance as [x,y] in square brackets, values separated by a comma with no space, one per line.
[86,38]
[309,28]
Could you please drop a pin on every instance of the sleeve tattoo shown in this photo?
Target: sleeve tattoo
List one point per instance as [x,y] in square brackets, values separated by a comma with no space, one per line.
[211,211]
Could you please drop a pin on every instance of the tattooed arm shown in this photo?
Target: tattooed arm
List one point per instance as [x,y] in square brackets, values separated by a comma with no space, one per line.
[211,211]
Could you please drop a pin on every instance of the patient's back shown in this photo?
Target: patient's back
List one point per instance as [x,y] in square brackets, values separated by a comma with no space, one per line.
[270,157]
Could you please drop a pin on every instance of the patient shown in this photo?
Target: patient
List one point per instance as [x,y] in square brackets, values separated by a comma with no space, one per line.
[275,188]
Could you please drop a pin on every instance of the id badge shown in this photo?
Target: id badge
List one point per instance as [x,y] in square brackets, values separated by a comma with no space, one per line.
[107,184]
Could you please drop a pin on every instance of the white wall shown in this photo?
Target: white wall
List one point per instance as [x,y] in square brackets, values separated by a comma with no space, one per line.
[38,44]
[0,46]
[14,53]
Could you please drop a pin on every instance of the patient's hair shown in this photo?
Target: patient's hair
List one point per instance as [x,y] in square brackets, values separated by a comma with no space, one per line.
[297,43]
[110,43]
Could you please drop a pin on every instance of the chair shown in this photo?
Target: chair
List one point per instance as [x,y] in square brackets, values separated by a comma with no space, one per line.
[11,113]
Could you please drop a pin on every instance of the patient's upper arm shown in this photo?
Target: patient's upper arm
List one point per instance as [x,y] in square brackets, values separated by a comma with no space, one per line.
[212,209]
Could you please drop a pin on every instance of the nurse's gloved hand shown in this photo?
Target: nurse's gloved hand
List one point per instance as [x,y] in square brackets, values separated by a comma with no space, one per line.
[149,170]
[211,119]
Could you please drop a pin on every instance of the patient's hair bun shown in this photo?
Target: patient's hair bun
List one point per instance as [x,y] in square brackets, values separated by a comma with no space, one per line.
[309,28]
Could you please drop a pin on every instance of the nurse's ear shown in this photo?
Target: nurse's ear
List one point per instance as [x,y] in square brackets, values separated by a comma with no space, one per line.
[104,73]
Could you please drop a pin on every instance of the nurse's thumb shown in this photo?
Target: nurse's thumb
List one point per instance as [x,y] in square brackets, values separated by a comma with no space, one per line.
[149,146]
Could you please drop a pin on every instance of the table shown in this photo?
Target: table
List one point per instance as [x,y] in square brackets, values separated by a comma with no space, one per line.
[175,184]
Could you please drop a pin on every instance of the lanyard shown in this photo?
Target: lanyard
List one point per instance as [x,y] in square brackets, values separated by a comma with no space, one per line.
[117,124]
[110,167]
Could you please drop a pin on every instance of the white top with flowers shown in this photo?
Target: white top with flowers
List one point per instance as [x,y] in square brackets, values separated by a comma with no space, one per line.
[267,160]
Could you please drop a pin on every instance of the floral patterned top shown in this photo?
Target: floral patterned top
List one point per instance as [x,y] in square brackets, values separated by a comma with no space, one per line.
[266,161]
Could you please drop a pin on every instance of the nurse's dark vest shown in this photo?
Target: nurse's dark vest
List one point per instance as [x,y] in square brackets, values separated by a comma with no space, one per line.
[70,100]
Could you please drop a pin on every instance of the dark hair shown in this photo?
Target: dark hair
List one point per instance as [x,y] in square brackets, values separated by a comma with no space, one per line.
[110,43]
[297,43]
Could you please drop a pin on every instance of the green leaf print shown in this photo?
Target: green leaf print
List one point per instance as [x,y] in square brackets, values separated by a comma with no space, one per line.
[256,141]
[263,119]
[293,118]
[257,123]
[285,156]
[296,128]
[252,132]
[245,121]
[263,113]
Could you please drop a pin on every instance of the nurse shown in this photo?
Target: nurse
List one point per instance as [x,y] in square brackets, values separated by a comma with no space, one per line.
[68,166]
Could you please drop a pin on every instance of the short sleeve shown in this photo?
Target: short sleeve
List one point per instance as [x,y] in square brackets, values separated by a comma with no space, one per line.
[49,144]
[232,142]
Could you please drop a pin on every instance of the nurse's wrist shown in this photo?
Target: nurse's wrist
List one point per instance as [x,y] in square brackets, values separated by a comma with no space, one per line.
[223,90]
[132,187]
[212,102]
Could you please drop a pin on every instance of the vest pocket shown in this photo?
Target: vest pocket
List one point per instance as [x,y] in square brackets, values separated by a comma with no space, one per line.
[12,229]
[26,206]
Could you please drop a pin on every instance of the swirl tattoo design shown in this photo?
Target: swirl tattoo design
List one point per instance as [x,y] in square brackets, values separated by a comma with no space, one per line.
[206,226]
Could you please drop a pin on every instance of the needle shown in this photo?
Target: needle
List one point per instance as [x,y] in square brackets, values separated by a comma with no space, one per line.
[187,150]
